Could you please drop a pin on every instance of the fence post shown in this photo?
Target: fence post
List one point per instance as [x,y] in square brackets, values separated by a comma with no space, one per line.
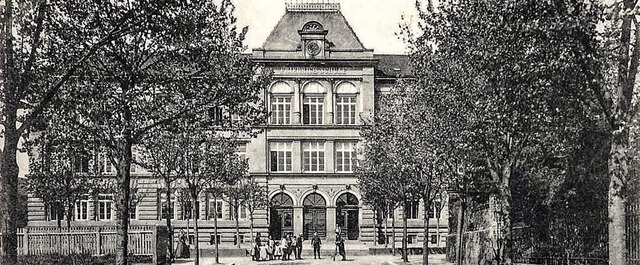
[98,240]
[25,241]
[154,244]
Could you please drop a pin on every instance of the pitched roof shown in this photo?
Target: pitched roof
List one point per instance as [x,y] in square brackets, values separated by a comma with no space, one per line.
[285,35]
[390,65]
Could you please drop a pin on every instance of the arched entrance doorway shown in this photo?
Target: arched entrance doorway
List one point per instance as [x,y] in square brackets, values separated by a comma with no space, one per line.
[315,215]
[281,215]
[347,216]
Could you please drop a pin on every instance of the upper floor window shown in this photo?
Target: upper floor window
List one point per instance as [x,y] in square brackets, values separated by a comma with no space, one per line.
[313,105]
[280,153]
[242,151]
[411,209]
[215,210]
[313,156]
[346,103]
[345,155]
[281,95]
[104,165]
[81,164]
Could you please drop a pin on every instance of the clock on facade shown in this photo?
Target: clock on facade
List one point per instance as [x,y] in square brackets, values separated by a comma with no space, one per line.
[313,48]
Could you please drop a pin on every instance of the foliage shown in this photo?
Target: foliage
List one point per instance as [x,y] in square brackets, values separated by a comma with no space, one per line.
[76,259]
[506,81]
[185,60]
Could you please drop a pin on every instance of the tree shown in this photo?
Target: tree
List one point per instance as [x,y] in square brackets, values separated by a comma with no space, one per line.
[403,156]
[60,172]
[208,158]
[44,44]
[163,157]
[615,91]
[255,198]
[187,62]
[510,106]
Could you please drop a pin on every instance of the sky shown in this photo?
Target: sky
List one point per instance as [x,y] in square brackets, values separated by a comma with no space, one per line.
[376,22]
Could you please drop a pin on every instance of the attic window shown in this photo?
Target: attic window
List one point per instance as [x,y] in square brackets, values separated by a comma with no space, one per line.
[312,26]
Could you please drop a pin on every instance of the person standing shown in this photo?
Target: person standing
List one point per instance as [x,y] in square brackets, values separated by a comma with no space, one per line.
[316,243]
[256,247]
[182,250]
[271,247]
[289,246]
[283,247]
[340,247]
[299,247]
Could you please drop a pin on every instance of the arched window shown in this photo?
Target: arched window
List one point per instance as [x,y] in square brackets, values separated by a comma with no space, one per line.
[347,199]
[346,102]
[314,200]
[281,94]
[313,26]
[313,107]
[282,200]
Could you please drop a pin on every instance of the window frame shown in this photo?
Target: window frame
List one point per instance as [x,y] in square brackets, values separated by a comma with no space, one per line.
[340,150]
[412,209]
[286,115]
[308,159]
[103,203]
[352,110]
[319,111]
[82,207]
[284,149]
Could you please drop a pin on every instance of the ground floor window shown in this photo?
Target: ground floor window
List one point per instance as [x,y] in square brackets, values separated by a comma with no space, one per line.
[81,210]
[105,203]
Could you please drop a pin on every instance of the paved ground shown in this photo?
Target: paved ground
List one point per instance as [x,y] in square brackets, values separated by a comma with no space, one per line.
[359,260]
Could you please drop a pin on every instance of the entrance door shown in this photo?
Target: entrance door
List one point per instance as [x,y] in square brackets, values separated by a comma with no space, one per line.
[315,216]
[281,216]
[348,216]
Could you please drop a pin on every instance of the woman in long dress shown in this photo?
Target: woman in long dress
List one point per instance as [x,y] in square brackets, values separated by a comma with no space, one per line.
[182,249]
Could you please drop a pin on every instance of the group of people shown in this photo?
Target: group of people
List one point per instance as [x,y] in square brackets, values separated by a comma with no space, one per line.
[282,249]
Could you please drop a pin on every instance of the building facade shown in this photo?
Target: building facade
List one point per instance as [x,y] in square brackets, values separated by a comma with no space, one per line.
[325,83]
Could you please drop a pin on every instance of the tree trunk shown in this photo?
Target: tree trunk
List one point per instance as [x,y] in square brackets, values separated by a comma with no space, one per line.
[375,227]
[393,232]
[170,254]
[69,214]
[425,242]
[618,171]
[195,229]
[386,230]
[122,207]
[251,226]
[237,214]
[405,258]
[459,228]
[9,167]
[502,206]
[215,227]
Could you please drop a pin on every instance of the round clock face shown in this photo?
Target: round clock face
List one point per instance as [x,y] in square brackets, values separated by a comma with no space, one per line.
[313,48]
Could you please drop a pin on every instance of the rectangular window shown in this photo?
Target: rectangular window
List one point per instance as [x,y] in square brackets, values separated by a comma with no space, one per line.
[104,164]
[313,156]
[434,211]
[166,212]
[105,203]
[313,110]
[55,211]
[81,164]
[215,210]
[81,209]
[188,212]
[345,155]
[346,110]
[281,110]
[411,210]
[280,157]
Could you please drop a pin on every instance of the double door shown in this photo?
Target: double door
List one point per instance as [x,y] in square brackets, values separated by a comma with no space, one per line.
[347,220]
[281,222]
[315,220]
